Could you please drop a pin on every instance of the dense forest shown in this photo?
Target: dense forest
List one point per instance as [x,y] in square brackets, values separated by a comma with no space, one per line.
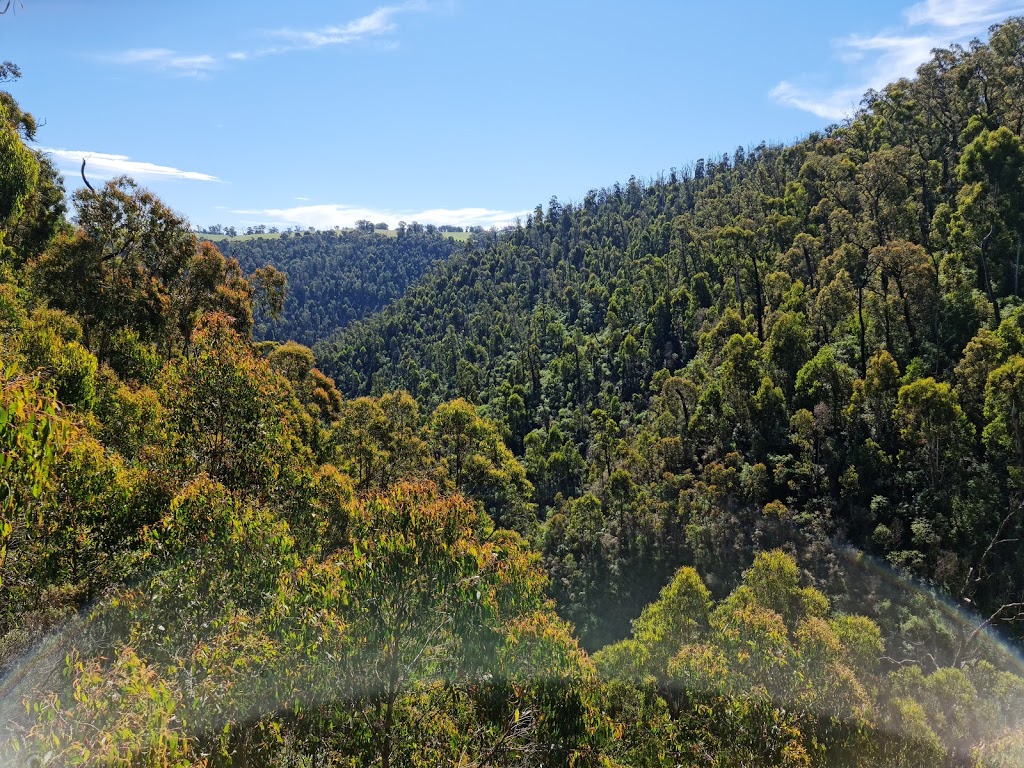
[814,346]
[725,468]
[337,277]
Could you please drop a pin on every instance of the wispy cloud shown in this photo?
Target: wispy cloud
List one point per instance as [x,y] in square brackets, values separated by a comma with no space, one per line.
[167,60]
[876,60]
[333,215]
[960,13]
[832,105]
[106,166]
[380,23]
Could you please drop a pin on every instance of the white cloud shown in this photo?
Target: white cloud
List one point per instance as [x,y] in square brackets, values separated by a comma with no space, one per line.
[834,105]
[960,13]
[167,60]
[468,217]
[877,60]
[332,215]
[380,22]
[376,24]
[105,166]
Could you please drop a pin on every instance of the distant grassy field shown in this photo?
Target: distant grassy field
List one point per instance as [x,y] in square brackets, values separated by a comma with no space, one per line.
[218,238]
[459,236]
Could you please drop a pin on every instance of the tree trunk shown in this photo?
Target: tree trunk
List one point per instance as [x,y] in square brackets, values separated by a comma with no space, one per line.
[758,298]
[810,270]
[1016,269]
[386,736]
[739,294]
[908,320]
[885,313]
[863,330]
[983,262]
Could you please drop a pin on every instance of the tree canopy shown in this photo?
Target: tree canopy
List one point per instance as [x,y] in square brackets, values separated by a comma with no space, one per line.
[723,468]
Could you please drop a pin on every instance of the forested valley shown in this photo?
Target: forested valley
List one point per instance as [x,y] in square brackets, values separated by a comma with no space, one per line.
[723,468]
[336,277]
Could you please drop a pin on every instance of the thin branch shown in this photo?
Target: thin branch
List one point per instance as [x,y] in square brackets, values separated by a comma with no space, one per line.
[899,662]
[1019,607]
[85,179]
[997,539]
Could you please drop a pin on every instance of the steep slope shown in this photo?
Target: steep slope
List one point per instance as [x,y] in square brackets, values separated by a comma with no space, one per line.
[236,567]
[335,277]
[811,345]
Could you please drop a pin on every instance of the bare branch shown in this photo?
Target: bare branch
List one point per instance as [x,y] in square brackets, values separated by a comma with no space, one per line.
[85,179]
[997,615]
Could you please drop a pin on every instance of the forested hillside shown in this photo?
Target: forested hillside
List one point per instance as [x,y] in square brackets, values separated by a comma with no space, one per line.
[812,346]
[721,469]
[336,277]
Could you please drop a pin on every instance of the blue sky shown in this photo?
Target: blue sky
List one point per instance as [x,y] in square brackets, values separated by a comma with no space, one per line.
[446,111]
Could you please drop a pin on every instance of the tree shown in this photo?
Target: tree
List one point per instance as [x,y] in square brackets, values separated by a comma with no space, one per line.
[426,618]
[788,348]
[909,269]
[229,415]
[212,283]
[269,286]
[679,616]
[472,454]
[742,248]
[763,677]
[42,213]
[19,168]
[120,714]
[31,436]
[1004,411]
[827,381]
[988,216]
[362,442]
[933,430]
[134,263]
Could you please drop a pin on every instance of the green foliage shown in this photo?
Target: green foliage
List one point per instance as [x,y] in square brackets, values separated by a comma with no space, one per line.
[133,264]
[123,715]
[229,416]
[337,277]
[31,435]
[791,346]
[1004,411]
[470,451]
[760,418]
[131,359]
[679,615]
[19,168]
